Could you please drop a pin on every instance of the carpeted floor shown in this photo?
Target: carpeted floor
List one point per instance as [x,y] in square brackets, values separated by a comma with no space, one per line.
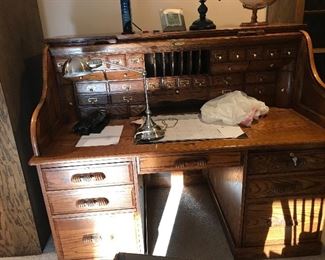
[197,233]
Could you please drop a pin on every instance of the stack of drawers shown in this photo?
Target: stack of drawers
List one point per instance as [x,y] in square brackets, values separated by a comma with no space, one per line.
[285,198]
[93,210]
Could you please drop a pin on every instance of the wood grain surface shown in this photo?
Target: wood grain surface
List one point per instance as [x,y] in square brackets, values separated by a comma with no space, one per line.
[18,234]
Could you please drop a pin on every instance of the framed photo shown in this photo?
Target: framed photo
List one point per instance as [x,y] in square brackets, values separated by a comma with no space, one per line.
[172,20]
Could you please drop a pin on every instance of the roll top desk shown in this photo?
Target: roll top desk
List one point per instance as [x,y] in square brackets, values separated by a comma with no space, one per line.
[269,187]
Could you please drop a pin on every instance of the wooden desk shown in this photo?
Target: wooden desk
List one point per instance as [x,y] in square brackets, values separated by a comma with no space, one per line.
[269,187]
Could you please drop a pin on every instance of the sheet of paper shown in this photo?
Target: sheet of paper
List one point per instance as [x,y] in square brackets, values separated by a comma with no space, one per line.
[190,127]
[109,135]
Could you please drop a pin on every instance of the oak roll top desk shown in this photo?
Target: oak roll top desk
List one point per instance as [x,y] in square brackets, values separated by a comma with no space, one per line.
[268,187]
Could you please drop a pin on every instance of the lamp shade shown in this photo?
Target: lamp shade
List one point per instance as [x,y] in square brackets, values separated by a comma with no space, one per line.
[75,67]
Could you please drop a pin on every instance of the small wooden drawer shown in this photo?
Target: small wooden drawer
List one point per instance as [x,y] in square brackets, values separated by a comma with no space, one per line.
[289,51]
[178,94]
[263,92]
[99,237]
[272,52]
[123,75]
[153,84]
[99,99]
[125,86]
[200,82]
[87,176]
[227,79]
[184,82]
[188,162]
[168,83]
[127,97]
[260,77]
[286,221]
[304,183]
[135,60]
[255,53]
[237,54]
[218,56]
[286,161]
[91,87]
[116,59]
[228,67]
[95,199]
[273,64]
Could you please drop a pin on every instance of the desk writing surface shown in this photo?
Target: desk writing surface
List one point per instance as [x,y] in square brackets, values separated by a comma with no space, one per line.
[281,128]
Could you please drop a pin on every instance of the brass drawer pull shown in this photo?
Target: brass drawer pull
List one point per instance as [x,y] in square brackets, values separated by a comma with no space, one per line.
[126,87]
[185,163]
[92,238]
[127,99]
[88,177]
[136,60]
[294,159]
[92,100]
[91,203]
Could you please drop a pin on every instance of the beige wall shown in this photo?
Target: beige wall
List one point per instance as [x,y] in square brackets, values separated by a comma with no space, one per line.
[86,17]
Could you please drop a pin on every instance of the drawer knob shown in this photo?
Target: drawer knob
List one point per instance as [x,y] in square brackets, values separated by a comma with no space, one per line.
[88,177]
[92,238]
[254,55]
[294,159]
[92,202]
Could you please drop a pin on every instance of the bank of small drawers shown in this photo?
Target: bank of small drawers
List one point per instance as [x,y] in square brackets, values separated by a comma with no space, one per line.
[94,209]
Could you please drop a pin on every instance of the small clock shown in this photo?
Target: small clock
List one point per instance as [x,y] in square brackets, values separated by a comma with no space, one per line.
[172,20]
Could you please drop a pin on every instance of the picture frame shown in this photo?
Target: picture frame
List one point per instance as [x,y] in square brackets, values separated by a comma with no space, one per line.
[172,20]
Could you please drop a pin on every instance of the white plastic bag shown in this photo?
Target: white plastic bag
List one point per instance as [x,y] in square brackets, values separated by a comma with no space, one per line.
[233,108]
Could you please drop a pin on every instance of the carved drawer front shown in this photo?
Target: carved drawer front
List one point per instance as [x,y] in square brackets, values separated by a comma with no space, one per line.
[265,92]
[279,185]
[260,77]
[116,59]
[91,87]
[178,94]
[125,86]
[287,221]
[93,99]
[286,161]
[289,51]
[95,199]
[258,65]
[100,236]
[127,97]
[189,162]
[87,176]
[87,110]
[135,60]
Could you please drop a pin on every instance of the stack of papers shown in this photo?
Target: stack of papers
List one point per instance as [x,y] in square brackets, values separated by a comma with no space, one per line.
[190,127]
[109,135]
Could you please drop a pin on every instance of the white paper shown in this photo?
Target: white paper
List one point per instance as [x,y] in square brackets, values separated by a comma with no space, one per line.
[190,127]
[109,135]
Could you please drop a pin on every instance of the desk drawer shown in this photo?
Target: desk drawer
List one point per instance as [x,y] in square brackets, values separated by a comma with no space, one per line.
[304,183]
[99,236]
[181,162]
[290,221]
[95,199]
[88,176]
[286,161]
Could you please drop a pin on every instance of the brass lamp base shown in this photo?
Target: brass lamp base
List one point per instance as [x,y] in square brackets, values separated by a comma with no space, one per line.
[149,131]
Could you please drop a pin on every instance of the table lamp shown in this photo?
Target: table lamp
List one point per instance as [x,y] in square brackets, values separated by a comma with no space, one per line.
[78,67]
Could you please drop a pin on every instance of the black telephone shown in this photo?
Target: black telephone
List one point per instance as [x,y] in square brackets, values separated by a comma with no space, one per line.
[93,123]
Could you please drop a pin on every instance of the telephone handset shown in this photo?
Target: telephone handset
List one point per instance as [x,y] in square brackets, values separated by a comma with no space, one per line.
[93,123]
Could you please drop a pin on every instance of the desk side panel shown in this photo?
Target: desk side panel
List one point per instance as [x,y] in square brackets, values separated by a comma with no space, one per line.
[309,95]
